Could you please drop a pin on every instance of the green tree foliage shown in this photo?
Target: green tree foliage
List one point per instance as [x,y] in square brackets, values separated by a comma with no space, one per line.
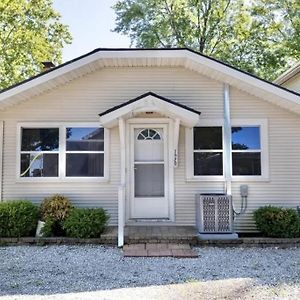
[30,32]
[259,36]
[287,14]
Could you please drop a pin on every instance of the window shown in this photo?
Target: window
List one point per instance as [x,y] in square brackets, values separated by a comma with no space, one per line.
[149,134]
[208,151]
[39,152]
[84,152]
[62,151]
[246,150]
[249,150]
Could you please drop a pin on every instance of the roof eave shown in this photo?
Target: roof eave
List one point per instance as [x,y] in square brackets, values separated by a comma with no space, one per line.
[189,59]
[288,74]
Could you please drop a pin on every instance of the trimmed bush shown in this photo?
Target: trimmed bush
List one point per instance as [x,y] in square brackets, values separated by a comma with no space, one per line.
[277,222]
[18,218]
[48,228]
[86,222]
[57,208]
[54,210]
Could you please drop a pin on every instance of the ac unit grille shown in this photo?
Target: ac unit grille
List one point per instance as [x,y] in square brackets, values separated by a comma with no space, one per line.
[214,213]
[209,217]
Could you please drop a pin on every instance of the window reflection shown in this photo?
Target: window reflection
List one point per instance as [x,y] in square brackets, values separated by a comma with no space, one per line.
[208,163]
[244,138]
[40,139]
[207,138]
[246,163]
[39,165]
[85,139]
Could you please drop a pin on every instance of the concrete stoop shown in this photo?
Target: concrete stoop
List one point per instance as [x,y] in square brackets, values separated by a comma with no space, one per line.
[160,234]
[159,250]
[218,236]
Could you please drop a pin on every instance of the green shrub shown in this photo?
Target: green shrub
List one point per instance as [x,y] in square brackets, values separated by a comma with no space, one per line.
[48,228]
[57,208]
[86,222]
[277,222]
[18,218]
[54,210]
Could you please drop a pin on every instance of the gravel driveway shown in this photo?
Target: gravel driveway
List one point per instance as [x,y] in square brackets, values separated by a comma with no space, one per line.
[97,272]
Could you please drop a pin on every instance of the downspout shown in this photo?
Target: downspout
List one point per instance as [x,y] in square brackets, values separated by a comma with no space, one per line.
[227,141]
[121,191]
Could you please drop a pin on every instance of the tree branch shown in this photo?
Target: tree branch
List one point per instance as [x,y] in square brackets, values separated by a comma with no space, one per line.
[173,25]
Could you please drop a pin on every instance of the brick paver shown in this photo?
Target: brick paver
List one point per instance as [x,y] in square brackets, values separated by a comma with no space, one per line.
[159,250]
[184,253]
[159,253]
[134,247]
[135,253]
[179,246]
[156,246]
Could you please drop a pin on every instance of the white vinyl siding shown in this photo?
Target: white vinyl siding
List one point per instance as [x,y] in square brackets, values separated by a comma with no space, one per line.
[293,83]
[282,185]
[82,99]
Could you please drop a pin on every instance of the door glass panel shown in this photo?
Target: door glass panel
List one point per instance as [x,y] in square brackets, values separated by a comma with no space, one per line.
[149,180]
[148,145]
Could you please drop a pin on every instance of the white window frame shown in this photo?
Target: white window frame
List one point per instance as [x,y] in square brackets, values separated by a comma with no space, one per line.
[264,149]
[189,150]
[62,152]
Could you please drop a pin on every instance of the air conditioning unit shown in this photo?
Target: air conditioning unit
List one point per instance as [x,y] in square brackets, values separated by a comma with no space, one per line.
[214,213]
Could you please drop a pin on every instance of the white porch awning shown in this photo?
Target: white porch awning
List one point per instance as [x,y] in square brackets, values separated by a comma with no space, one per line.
[150,102]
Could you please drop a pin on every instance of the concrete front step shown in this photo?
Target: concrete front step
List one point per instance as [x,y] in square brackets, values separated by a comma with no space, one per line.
[159,250]
[160,234]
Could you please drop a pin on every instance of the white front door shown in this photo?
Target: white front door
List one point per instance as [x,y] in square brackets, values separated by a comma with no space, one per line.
[149,171]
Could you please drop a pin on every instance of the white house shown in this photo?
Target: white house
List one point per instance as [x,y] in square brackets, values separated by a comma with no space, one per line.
[139,132]
[290,79]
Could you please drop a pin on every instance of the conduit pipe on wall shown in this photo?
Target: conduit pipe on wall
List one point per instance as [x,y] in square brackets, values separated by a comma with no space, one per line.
[227,140]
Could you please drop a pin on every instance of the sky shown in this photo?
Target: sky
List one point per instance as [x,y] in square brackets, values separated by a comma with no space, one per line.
[90,23]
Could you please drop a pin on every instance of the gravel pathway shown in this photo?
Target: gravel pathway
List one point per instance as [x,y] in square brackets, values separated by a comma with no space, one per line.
[87,272]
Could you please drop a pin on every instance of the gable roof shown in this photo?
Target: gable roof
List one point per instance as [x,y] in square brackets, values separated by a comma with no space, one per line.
[144,96]
[150,102]
[288,74]
[174,57]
